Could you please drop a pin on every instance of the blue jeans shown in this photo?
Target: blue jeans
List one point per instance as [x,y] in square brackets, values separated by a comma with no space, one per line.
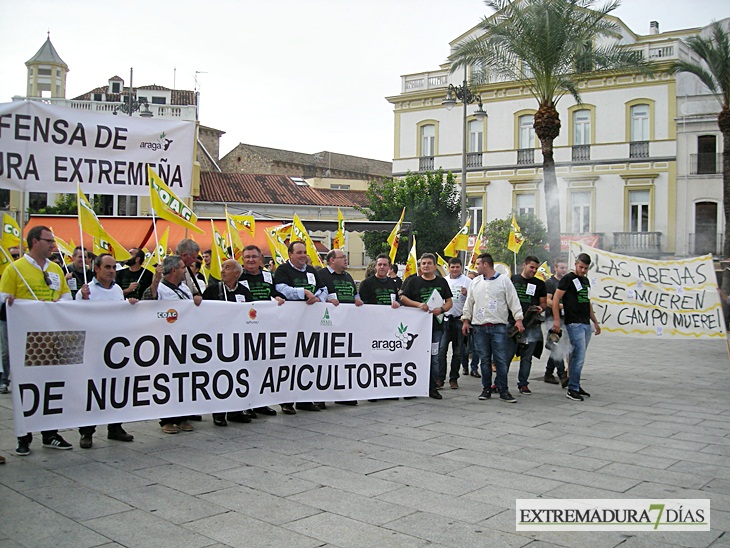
[468,350]
[436,334]
[580,336]
[451,334]
[534,338]
[492,345]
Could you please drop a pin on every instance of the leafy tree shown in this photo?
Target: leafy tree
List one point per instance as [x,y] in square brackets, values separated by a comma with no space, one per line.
[714,73]
[549,45]
[65,205]
[432,207]
[496,234]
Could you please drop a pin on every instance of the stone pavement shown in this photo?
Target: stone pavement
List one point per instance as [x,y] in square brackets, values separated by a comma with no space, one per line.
[397,473]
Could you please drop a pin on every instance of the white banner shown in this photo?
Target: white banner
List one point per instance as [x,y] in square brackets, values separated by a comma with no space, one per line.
[644,297]
[45,148]
[81,363]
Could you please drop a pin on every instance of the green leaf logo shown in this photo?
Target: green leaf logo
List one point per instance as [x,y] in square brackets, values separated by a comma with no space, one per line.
[402,328]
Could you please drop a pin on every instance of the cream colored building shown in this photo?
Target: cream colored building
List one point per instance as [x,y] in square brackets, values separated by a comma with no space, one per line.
[623,157]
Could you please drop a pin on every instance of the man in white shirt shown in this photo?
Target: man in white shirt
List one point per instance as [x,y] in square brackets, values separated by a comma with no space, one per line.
[490,298]
[459,285]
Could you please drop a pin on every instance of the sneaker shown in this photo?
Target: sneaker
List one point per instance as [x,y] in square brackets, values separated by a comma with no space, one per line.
[454,385]
[56,442]
[118,433]
[524,390]
[550,379]
[507,397]
[169,428]
[435,394]
[4,388]
[85,442]
[573,395]
[485,395]
[23,448]
[583,393]
[494,389]
[185,426]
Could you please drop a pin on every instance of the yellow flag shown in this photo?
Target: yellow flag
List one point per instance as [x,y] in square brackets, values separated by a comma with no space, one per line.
[66,249]
[543,272]
[276,254]
[232,229]
[168,206]
[460,241]
[244,221]
[11,232]
[479,248]
[278,236]
[412,262]
[91,225]
[161,249]
[394,238]
[515,237]
[298,232]
[218,252]
[149,260]
[338,242]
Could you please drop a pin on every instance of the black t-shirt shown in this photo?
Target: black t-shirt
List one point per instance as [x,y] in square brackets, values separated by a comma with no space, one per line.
[551,285]
[341,284]
[219,292]
[78,275]
[260,285]
[374,290]
[529,292]
[420,290]
[576,302]
[125,277]
[288,275]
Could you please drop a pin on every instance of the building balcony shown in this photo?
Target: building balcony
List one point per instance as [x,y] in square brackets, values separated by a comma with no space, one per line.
[525,156]
[424,81]
[425,163]
[638,244]
[581,153]
[176,112]
[474,159]
[705,164]
[639,149]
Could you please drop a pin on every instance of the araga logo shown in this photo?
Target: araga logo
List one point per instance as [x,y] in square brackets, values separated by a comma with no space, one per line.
[162,143]
[402,339]
[170,315]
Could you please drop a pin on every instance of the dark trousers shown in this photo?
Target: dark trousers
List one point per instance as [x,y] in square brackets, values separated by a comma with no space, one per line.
[89,430]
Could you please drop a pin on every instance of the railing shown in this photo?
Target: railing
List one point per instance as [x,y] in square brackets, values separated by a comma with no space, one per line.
[474,159]
[661,52]
[186,112]
[581,153]
[703,243]
[426,80]
[640,244]
[705,163]
[425,163]
[639,149]
[525,156]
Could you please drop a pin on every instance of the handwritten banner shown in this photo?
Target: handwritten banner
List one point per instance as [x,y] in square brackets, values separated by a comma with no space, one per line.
[639,297]
[45,148]
[81,363]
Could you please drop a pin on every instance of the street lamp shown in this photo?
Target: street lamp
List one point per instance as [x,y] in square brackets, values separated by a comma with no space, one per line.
[466,96]
[134,105]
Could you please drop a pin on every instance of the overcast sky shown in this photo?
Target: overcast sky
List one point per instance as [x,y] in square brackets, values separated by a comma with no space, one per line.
[302,75]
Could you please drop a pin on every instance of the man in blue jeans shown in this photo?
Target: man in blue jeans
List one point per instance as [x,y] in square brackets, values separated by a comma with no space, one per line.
[490,298]
[574,291]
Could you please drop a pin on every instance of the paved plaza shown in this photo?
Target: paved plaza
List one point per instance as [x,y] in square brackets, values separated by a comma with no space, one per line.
[397,473]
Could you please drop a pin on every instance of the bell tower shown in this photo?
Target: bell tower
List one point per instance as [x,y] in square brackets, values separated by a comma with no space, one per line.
[46,73]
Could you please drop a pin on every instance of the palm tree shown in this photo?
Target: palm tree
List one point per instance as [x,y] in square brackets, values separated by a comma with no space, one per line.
[714,73]
[551,45]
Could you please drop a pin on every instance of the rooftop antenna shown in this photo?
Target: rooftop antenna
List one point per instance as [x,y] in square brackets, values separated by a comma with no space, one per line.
[197,94]
[197,84]
[174,77]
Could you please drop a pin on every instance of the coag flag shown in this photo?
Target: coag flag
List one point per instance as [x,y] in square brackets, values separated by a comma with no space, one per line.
[66,249]
[443,263]
[276,254]
[168,206]
[161,249]
[244,221]
[298,232]
[515,237]
[394,238]
[460,242]
[543,272]
[232,229]
[412,262]
[479,248]
[338,242]
[91,225]
[10,238]
[218,252]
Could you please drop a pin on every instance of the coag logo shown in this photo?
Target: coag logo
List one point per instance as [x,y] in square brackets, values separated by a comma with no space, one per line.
[170,315]
[402,339]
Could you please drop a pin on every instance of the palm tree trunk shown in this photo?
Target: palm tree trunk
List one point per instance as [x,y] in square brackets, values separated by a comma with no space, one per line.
[552,198]
[724,123]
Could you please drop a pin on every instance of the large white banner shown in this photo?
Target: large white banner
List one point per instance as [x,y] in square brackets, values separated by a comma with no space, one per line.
[81,363]
[45,148]
[644,297]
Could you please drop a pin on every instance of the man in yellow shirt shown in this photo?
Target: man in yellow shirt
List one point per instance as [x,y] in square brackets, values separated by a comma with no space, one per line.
[35,276]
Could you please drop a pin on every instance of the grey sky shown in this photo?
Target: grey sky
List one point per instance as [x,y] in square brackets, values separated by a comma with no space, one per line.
[304,75]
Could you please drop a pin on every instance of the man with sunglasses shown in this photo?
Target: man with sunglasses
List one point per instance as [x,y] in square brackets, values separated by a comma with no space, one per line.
[35,276]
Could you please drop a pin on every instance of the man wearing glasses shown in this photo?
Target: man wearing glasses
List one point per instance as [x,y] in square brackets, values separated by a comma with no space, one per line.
[35,276]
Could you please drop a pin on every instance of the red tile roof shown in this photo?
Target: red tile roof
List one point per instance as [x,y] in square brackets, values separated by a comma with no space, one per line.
[271,189]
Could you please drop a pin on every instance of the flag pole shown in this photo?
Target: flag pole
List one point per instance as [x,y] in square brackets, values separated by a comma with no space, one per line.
[12,263]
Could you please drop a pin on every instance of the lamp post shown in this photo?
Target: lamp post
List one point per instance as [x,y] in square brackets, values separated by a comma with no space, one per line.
[466,96]
[134,105]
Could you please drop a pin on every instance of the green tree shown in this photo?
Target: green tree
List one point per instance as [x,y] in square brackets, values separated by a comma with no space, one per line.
[549,45]
[496,234]
[65,205]
[432,207]
[714,73]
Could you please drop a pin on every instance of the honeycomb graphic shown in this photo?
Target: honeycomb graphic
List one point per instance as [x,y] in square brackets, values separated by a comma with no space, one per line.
[54,347]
